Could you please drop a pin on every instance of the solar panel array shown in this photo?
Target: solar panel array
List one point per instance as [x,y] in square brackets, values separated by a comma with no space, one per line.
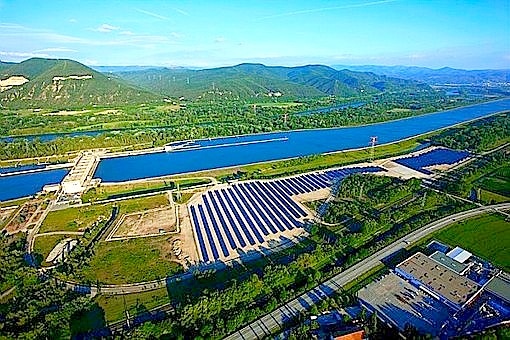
[431,158]
[245,215]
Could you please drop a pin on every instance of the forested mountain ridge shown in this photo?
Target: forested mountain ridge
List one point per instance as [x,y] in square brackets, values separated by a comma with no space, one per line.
[63,83]
[256,79]
[445,75]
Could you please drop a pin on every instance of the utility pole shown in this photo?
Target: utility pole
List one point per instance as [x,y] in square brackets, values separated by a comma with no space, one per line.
[373,141]
[178,192]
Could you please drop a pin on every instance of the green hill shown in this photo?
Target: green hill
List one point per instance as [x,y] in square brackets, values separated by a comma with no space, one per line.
[252,80]
[5,65]
[62,83]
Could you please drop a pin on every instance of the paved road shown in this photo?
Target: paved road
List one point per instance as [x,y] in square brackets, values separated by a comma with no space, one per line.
[275,320]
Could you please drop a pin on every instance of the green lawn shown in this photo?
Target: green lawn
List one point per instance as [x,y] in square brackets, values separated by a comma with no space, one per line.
[74,219]
[496,184]
[142,203]
[106,191]
[134,260]
[489,197]
[487,236]
[114,306]
[11,203]
[44,244]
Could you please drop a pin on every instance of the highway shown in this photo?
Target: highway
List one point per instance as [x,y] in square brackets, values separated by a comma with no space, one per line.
[276,320]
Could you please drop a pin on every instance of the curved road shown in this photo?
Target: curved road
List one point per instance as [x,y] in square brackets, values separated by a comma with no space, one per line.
[276,320]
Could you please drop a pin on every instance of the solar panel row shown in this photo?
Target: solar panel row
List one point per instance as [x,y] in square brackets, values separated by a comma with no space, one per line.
[243,215]
[431,158]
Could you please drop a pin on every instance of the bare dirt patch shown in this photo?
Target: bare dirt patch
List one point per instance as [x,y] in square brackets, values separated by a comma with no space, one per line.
[151,222]
[66,113]
[5,213]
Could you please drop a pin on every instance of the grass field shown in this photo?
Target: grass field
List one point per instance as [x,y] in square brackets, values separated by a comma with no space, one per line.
[11,203]
[498,181]
[487,236]
[114,306]
[44,244]
[107,191]
[142,203]
[73,219]
[489,197]
[133,260]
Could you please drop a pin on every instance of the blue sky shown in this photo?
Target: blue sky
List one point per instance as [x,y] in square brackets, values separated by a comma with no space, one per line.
[464,34]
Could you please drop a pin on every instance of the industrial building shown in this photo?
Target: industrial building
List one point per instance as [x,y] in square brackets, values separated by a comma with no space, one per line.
[444,294]
[438,279]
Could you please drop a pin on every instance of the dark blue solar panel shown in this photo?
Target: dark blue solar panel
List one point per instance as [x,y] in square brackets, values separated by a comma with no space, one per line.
[294,184]
[282,187]
[223,223]
[271,208]
[324,178]
[215,226]
[318,181]
[303,183]
[275,195]
[248,216]
[199,234]
[311,183]
[221,200]
[227,193]
[208,232]
[290,186]
[293,204]
[280,208]
[253,202]
[433,157]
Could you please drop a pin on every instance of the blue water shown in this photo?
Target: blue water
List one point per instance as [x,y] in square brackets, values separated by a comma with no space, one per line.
[21,168]
[17,186]
[299,143]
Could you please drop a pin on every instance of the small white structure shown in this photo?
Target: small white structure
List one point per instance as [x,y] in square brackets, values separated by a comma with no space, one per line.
[75,181]
[61,250]
[51,187]
[458,254]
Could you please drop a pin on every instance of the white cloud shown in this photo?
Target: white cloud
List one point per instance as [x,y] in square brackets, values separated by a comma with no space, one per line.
[220,40]
[56,49]
[73,20]
[326,9]
[178,10]
[152,14]
[24,54]
[106,28]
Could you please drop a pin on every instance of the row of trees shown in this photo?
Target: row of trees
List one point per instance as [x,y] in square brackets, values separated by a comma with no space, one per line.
[216,312]
[37,308]
[195,121]
[482,135]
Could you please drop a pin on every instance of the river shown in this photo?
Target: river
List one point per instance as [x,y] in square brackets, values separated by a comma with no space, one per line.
[231,151]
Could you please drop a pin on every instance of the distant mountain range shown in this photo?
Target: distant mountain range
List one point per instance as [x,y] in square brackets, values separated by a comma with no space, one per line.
[247,80]
[445,75]
[62,83]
